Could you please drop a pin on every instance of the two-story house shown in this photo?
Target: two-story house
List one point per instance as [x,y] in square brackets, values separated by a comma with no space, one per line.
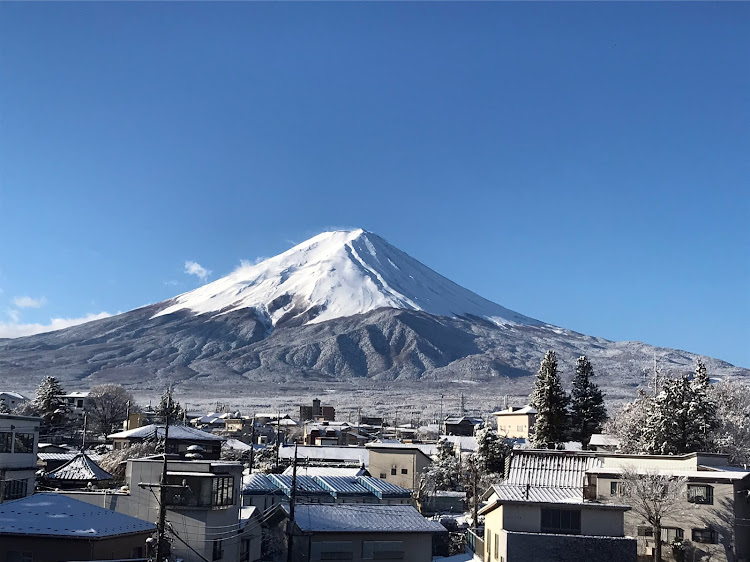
[516,423]
[19,438]
[400,463]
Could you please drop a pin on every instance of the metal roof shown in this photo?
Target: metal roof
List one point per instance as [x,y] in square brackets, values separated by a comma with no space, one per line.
[66,456]
[350,471]
[342,486]
[305,485]
[152,431]
[383,489]
[363,518]
[510,492]
[258,484]
[549,469]
[360,455]
[50,514]
[79,468]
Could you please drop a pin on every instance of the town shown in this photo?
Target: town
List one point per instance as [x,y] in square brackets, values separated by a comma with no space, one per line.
[96,475]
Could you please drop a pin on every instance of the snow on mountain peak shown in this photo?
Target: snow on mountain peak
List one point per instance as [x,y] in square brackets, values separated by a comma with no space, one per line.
[338,274]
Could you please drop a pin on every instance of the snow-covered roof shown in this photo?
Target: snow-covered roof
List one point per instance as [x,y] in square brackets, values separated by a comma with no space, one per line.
[77,394]
[453,420]
[349,471]
[428,449]
[714,474]
[50,514]
[11,394]
[604,440]
[79,468]
[66,456]
[467,442]
[237,445]
[359,455]
[363,518]
[549,469]
[513,411]
[537,494]
[152,431]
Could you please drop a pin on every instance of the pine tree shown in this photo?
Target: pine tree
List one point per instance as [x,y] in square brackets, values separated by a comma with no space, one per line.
[491,452]
[48,401]
[702,410]
[168,408]
[550,402]
[587,410]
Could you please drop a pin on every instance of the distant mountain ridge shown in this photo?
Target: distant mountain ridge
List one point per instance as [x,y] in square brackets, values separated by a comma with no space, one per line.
[343,305]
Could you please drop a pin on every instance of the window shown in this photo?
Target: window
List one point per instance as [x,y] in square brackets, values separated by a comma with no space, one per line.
[616,488]
[14,489]
[700,493]
[331,550]
[497,545]
[561,521]
[393,471]
[218,550]
[645,531]
[382,550]
[707,536]
[404,471]
[223,491]
[382,475]
[669,534]
[24,443]
[520,427]
[488,544]
[6,441]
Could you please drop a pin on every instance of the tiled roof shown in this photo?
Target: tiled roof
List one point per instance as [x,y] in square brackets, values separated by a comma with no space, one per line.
[80,467]
[183,432]
[50,514]
[363,518]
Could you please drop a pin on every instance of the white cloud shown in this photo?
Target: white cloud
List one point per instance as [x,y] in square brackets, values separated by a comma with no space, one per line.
[250,263]
[29,302]
[194,268]
[172,283]
[16,330]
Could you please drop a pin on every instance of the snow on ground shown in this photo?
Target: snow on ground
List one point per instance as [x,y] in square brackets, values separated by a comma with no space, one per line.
[341,273]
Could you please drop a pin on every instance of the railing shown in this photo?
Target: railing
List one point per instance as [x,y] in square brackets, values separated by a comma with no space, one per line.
[475,543]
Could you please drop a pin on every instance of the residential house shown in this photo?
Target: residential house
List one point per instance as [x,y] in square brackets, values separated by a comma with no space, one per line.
[326,456]
[12,399]
[49,527]
[19,437]
[77,402]
[712,518]
[332,433]
[516,423]
[461,425]
[539,512]
[354,532]
[181,439]
[603,442]
[203,502]
[400,463]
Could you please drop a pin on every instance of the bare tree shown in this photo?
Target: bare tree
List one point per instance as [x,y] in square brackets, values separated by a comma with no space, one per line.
[653,497]
[108,406]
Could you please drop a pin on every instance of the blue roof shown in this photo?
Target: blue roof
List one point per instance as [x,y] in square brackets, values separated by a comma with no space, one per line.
[383,489]
[363,518]
[258,484]
[342,486]
[306,485]
[50,514]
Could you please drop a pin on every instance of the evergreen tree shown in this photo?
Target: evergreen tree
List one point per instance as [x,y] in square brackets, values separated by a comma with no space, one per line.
[550,402]
[681,419]
[4,409]
[587,410]
[168,408]
[491,452]
[48,402]
[702,410]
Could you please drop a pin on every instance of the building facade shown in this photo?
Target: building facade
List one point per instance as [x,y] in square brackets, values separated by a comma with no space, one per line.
[19,439]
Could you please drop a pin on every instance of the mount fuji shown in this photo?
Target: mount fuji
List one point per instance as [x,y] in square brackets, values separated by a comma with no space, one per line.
[343,305]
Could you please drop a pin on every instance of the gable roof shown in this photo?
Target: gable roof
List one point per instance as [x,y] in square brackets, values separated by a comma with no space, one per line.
[156,431]
[80,467]
[549,469]
[363,518]
[50,514]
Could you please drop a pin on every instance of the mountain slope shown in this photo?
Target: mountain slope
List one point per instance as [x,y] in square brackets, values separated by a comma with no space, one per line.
[341,306]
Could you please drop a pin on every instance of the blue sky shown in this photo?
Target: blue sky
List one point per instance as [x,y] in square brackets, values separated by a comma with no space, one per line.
[585,164]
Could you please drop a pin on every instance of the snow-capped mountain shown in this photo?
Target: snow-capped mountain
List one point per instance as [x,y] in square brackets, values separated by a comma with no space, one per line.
[338,274]
[344,305]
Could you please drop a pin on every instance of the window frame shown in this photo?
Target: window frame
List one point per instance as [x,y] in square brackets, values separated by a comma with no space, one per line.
[705,536]
[555,525]
[703,499]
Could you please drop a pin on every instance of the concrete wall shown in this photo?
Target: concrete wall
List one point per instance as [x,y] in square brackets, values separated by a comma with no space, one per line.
[50,549]
[417,546]
[19,466]
[532,547]
[413,461]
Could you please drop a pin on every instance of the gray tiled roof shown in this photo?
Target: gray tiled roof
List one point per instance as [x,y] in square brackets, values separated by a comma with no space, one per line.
[80,468]
[183,432]
[363,518]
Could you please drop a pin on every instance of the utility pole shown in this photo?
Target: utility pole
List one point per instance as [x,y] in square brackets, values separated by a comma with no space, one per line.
[440,420]
[252,444]
[83,441]
[475,507]
[292,498]
[278,437]
[160,551]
